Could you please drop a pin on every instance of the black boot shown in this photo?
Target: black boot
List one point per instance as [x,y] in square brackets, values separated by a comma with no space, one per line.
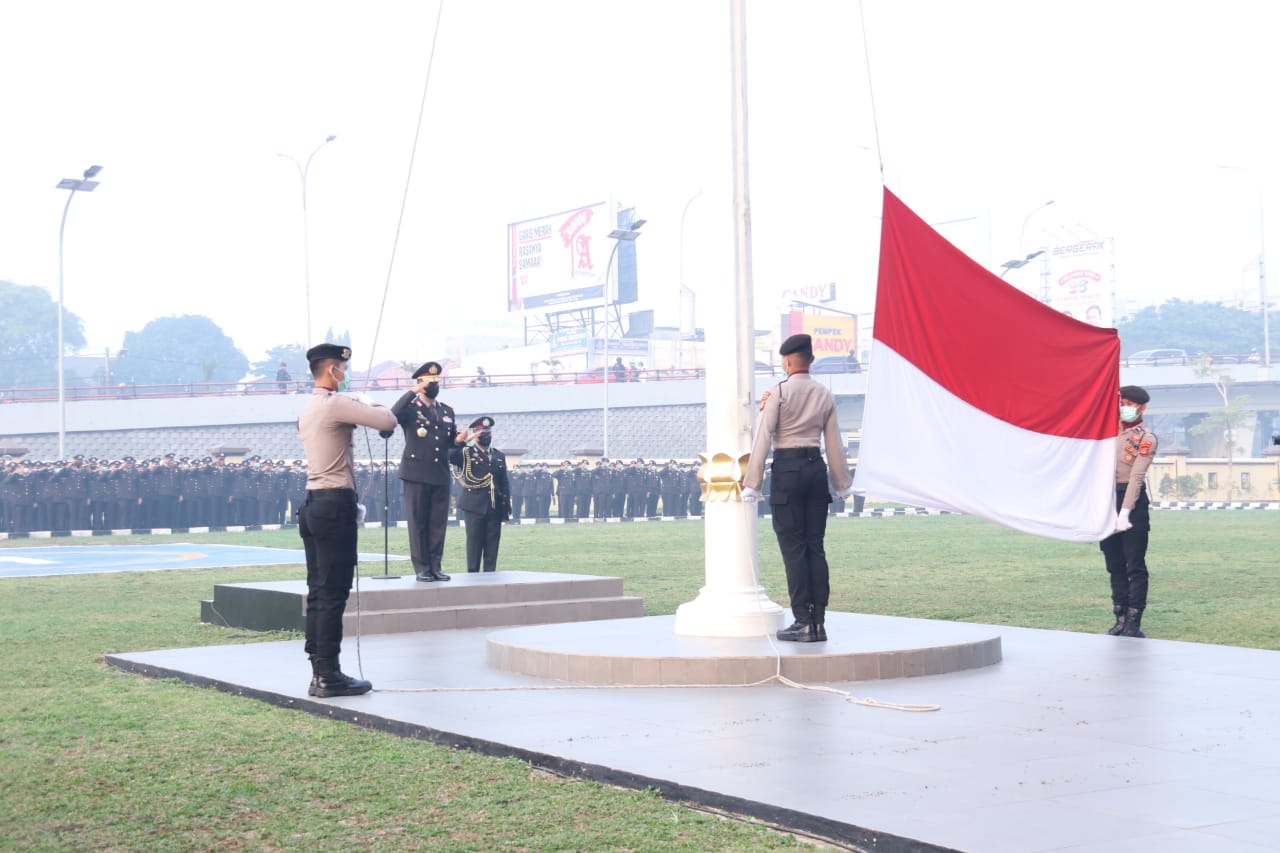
[311,690]
[819,624]
[437,575]
[426,576]
[1117,629]
[1133,623]
[331,681]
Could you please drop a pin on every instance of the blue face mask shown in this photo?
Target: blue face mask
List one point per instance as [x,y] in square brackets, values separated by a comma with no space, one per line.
[1128,414]
[343,384]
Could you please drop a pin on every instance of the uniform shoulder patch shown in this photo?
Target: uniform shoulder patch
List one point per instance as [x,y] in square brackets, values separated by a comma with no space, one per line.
[1144,447]
[764,398]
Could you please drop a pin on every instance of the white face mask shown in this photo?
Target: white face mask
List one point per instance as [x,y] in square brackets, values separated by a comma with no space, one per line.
[342,383]
[1128,414]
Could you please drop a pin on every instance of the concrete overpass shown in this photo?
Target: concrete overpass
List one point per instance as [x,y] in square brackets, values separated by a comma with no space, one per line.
[650,419]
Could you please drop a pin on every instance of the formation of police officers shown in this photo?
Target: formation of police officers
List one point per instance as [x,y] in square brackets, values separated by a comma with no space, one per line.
[180,492]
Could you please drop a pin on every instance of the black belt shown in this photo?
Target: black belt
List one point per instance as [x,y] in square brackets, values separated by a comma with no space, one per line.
[793,452]
[331,495]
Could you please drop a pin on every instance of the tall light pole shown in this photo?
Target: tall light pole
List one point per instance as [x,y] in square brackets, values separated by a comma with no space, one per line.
[83,185]
[1262,267]
[306,241]
[1022,235]
[680,300]
[618,236]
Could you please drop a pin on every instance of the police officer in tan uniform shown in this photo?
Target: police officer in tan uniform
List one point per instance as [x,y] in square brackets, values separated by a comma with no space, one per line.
[430,432]
[796,416]
[1125,551]
[329,518]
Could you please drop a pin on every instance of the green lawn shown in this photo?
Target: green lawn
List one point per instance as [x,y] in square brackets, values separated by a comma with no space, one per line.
[96,759]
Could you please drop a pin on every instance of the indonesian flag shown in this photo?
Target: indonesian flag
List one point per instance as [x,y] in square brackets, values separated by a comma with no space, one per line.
[983,400]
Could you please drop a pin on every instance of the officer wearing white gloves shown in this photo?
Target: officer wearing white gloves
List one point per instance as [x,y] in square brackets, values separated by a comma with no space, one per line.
[796,417]
[1125,550]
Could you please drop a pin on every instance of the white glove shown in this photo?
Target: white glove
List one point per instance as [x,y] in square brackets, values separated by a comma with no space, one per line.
[843,493]
[1122,521]
[359,514]
[750,495]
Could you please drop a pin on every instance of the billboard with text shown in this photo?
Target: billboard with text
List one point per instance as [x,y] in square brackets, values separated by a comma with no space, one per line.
[555,261]
[1080,280]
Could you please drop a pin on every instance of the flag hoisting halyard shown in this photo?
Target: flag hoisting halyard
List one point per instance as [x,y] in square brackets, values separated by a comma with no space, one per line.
[983,400]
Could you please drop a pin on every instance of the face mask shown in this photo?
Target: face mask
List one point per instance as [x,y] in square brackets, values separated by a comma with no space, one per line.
[432,390]
[342,383]
[1128,414]
[484,439]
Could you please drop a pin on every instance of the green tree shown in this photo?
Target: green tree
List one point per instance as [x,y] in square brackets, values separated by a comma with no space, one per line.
[1229,418]
[29,336]
[1197,327]
[178,350]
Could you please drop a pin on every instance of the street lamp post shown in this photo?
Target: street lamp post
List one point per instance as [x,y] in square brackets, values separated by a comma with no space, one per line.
[306,241]
[618,236]
[1262,267]
[1022,235]
[1019,263]
[680,300]
[84,185]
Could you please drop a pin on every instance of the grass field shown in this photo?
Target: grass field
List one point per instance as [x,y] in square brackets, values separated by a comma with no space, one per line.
[96,759]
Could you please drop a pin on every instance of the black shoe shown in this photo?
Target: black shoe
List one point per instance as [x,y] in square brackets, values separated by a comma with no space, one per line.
[437,575]
[799,632]
[337,683]
[426,577]
[819,632]
[311,690]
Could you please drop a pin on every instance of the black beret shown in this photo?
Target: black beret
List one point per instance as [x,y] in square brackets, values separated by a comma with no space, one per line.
[1135,394]
[431,370]
[485,422]
[795,343]
[320,351]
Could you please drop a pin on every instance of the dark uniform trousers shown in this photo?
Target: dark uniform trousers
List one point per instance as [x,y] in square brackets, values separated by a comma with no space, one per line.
[1126,553]
[798,499]
[484,534]
[327,524]
[426,511]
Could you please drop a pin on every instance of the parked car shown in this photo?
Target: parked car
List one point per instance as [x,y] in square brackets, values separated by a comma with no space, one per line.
[835,364]
[1157,356]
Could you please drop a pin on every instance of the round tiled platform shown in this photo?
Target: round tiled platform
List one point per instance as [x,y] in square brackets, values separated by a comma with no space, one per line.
[647,651]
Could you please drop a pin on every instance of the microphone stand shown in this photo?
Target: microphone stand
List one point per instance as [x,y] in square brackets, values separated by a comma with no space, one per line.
[386,513]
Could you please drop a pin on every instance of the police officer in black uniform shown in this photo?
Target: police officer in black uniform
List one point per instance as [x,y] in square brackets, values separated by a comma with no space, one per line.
[430,432]
[484,501]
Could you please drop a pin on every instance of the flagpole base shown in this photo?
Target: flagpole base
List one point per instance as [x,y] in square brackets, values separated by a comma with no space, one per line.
[729,613]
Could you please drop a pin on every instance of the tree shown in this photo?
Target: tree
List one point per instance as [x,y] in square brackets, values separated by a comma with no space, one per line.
[1229,418]
[29,336]
[180,350]
[1197,327]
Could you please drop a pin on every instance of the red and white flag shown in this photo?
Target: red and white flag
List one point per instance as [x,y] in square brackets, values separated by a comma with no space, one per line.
[983,400]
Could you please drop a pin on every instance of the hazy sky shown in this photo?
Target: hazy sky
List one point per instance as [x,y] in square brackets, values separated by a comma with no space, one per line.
[1120,112]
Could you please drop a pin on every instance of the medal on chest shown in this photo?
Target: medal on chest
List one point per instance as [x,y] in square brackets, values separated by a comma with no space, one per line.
[422,432]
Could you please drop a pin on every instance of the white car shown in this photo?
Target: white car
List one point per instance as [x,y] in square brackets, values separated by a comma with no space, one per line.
[1157,356]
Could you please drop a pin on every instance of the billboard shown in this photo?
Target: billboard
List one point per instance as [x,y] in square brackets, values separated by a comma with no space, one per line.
[1080,280]
[832,334]
[557,260]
